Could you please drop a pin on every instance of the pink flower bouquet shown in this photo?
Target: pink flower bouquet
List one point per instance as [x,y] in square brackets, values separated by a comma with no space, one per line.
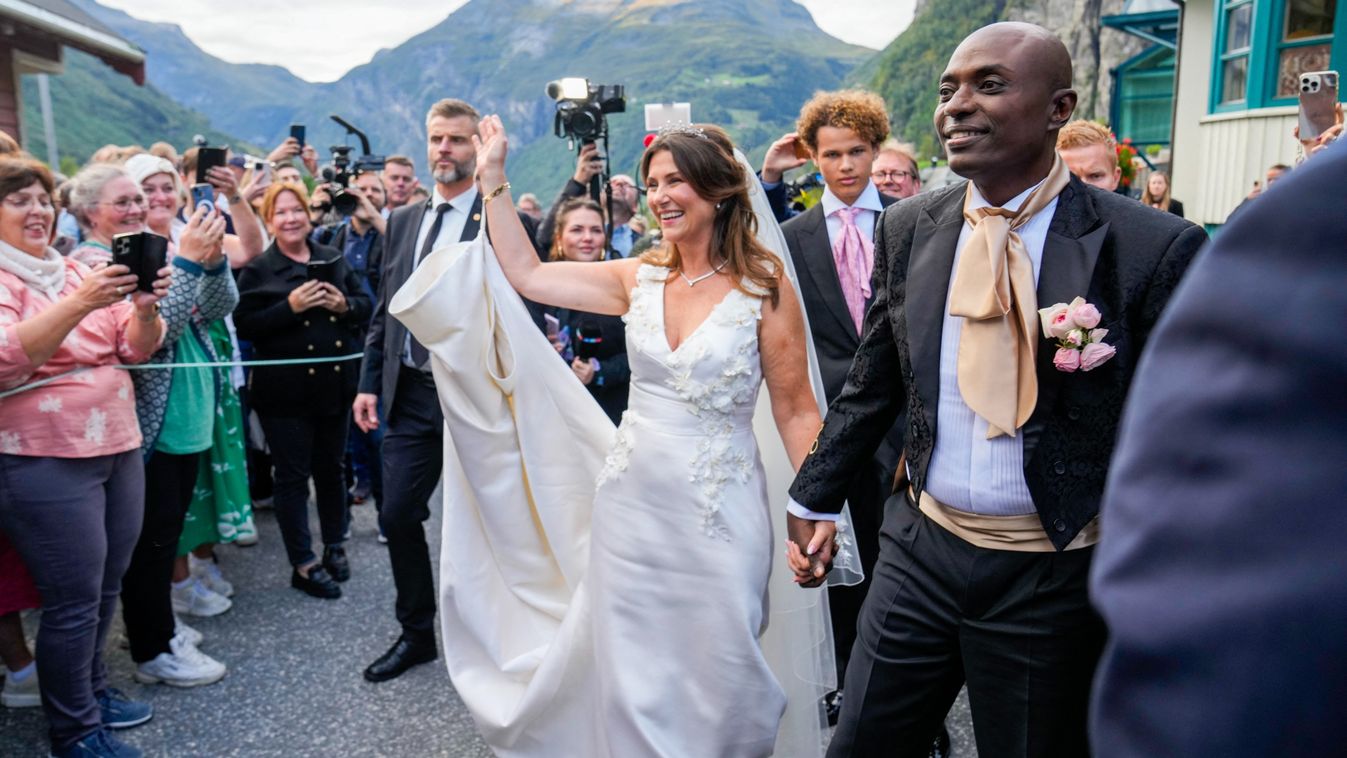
[1080,344]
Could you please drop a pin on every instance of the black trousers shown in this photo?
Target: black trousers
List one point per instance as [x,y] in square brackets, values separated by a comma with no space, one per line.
[413,453]
[304,447]
[146,605]
[1017,627]
[866,499]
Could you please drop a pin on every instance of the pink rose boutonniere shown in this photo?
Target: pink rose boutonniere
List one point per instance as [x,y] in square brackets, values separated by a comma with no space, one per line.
[1080,346]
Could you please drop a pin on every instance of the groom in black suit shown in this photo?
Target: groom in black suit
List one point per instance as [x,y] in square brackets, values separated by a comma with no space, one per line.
[843,131]
[982,567]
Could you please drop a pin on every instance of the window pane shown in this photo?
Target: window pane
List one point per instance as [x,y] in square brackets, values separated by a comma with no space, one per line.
[1309,18]
[1296,61]
[1234,79]
[1238,22]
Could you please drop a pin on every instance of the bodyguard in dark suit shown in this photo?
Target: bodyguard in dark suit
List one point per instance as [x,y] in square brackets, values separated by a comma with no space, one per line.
[832,247]
[983,561]
[1223,576]
[396,383]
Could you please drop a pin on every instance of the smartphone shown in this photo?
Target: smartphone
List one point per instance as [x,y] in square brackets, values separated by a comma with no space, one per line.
[262,172]
[208,158]
[1318,103]
[142,252]
[658,115]
[802,150]
[297,131]
[203,196]
[322,271]
[552,324]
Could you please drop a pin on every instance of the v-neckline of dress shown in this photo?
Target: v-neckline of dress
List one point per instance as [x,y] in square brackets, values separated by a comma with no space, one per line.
[663,320]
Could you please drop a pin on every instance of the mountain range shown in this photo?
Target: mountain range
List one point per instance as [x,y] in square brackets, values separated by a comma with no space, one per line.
[746,65]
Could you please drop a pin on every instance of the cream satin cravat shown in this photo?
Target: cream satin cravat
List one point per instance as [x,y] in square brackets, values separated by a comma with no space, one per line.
[994,293]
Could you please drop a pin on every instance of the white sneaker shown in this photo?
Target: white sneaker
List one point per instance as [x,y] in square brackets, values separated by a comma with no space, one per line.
[196,599]
[181,629]
[182,666]
[208,573]
[23,694]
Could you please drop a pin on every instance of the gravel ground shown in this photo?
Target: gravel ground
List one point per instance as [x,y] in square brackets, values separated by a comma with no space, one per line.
[294,686]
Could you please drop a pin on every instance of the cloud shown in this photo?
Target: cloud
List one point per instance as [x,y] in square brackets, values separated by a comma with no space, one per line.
[862,22]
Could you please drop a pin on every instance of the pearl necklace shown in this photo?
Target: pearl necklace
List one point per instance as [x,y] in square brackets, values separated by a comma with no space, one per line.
[692,282]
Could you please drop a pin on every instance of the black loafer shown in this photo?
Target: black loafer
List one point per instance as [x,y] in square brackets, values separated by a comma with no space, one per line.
[334,560]
[318,583]
[403,655]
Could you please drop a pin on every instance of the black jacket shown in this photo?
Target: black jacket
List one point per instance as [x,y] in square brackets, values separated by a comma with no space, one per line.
[1116,253]
[264,317]
[613,381]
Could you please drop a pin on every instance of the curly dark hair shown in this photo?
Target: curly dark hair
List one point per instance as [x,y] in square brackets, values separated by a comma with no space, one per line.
[862,112]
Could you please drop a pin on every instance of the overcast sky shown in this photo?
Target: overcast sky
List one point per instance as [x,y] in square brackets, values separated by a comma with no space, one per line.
[320,40]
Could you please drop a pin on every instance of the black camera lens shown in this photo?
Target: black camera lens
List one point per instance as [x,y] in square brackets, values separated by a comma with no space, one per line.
[345,203]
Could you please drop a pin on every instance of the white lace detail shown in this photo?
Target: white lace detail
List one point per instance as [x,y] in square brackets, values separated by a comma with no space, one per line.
[716,403]
[619,455]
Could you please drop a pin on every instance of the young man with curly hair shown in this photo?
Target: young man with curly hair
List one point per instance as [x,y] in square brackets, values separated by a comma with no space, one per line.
[833,251]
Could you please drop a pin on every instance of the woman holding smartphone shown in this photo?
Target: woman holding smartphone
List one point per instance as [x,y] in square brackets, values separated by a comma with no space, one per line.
[302,300]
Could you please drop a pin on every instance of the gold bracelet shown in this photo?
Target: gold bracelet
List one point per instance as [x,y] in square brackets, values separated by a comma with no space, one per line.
[495,193]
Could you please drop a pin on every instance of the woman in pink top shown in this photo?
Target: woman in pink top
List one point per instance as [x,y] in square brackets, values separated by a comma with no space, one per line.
[71,478]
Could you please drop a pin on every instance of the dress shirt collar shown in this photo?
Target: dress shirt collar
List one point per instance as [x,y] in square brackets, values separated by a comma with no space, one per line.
[462,202]
[869,200]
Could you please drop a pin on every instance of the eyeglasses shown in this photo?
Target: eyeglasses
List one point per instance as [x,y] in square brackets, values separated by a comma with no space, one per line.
[892,176]
[24,202]
[124,204]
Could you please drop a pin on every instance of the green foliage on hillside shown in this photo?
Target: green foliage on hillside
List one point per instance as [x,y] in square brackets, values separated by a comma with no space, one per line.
[93,105]
[907,71]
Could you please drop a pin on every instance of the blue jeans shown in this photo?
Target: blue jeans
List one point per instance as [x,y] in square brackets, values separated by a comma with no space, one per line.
[74,522]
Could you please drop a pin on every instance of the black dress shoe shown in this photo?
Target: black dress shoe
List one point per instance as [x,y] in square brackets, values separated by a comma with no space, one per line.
[403,655]
[832,706]
[318,583]
[334,560]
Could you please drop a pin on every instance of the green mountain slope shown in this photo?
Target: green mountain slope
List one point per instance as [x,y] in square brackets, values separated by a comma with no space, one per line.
[92,105]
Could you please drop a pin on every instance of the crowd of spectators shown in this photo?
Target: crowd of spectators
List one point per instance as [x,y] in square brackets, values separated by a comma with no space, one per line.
[123,482]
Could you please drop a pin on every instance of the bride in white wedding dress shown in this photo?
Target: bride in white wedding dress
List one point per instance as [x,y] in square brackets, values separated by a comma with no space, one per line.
[605,591]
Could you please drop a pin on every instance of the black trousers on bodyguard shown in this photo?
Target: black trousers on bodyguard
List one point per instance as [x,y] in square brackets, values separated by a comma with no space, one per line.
[1016,626]
[413,457]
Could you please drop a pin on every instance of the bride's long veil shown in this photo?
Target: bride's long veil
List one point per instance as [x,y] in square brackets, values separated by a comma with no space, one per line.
[798,643]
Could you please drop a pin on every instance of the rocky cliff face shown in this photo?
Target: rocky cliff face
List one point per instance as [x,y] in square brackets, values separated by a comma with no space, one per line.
[1094,50]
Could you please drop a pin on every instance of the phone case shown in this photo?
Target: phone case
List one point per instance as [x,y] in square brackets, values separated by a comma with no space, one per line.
[1318,103]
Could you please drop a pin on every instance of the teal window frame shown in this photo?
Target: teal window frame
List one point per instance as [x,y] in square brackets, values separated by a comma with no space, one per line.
[1265,45]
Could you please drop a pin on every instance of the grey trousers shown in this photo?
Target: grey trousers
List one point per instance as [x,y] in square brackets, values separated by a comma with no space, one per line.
[74,522]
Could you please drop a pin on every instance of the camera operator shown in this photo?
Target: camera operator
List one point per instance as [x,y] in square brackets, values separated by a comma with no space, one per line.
[625,203]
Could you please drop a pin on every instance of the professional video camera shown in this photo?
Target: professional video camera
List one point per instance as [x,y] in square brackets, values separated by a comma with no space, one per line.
[581,107]
[337,176]
[804,190]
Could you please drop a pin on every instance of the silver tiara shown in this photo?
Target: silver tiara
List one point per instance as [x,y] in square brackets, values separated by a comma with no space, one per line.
[678,127]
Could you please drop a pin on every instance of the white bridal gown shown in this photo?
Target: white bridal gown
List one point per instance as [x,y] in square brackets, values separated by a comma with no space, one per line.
[604,592]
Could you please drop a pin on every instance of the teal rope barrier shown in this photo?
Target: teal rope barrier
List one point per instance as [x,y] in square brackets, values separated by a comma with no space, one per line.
[204,364]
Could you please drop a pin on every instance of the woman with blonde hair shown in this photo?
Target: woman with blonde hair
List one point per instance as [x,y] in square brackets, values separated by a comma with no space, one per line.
[1157,196]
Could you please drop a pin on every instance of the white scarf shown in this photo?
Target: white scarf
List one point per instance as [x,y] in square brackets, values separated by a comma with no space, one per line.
[46,274]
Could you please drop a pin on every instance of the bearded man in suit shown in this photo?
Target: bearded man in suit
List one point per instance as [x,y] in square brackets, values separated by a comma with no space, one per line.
[983,559]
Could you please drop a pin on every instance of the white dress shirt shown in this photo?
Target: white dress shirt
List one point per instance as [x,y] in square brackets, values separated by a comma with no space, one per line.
[870,207]
[969,472]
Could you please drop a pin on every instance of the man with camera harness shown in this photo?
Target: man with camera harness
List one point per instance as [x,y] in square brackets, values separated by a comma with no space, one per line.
[624,206]
[396,374]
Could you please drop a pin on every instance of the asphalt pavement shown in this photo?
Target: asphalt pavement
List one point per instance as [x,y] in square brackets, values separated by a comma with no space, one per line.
[294,686]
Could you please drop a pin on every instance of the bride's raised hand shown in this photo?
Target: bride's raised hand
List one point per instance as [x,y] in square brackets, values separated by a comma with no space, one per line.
[492,146]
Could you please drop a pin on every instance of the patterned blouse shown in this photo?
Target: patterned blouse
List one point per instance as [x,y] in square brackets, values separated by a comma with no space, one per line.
[88,414]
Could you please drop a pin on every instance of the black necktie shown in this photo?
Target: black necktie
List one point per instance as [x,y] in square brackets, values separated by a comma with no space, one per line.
[419,353]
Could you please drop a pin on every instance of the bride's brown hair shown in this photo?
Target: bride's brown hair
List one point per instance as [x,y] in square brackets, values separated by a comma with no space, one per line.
[704,156]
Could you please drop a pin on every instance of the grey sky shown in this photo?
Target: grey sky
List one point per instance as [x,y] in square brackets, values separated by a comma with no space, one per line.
[320,40]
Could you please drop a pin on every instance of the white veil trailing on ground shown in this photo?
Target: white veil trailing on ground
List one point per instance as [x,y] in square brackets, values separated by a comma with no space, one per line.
[798,642]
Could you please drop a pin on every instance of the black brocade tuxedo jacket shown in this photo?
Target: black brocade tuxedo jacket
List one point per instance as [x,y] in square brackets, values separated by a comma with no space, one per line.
[1119,255]
[835,338]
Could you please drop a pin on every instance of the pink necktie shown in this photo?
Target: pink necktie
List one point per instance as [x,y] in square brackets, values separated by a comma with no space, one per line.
[855,258]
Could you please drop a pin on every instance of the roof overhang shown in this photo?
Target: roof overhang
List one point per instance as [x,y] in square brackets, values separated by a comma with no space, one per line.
[121,55]
[1155,21]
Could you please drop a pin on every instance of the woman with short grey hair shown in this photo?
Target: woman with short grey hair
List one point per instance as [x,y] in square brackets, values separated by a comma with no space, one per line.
[106,202]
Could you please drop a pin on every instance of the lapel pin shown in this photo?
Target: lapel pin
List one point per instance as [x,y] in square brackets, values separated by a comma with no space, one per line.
[476,217]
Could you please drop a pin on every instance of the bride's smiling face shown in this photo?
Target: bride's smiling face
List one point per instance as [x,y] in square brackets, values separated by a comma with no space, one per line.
[681,212]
